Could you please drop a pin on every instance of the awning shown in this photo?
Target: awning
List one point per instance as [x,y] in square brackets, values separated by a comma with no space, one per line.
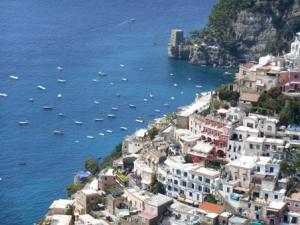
[180,198]
[189,201]
[202,148]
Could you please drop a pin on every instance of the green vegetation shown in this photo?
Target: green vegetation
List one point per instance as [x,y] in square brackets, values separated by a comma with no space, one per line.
[214,164]
[158,187]
[225,94]
[92,165]
[70,210]
[128,162]
[211,198]
[122,178]
[73,188]
[115,154]
[291,113]
[152,132]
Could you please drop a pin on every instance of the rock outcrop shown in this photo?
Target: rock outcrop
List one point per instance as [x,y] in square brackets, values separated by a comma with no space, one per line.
[241,31]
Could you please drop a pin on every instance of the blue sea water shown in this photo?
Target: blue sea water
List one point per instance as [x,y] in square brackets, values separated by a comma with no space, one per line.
[83,37]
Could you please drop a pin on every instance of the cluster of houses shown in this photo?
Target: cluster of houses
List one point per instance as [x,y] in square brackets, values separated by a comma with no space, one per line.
[219,167]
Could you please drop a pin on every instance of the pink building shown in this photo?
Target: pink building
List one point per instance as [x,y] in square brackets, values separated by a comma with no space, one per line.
[293,82]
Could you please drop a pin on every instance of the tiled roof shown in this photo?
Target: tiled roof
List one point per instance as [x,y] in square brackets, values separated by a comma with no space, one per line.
[211,207]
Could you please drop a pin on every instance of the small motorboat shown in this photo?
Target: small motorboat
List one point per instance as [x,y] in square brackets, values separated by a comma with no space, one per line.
[172,98]
[14,77]
[77,141]
[141,69]
[175,85]
[62,114]
[132,106]
[59,95]
[96,102]
[41,87]
[90,137]
[31,99]
[114,108]
[109,131]
[102,74]
[189,78]
[145,100]
[228,73]
[95,80]
[139,120]
[77,122]
[118,94]
[61,81]
[166,104]
[101,134]
[0,178]
[58,132]
[2,94]
[181,92]
[23,122]
[21,164]
[123,128]
[171,74]
[98,119]
[124,79]
[46,107]
[59,68]
[157,110]
[151,95]
[198,86]
[111,115]
[132,19]
[122,65]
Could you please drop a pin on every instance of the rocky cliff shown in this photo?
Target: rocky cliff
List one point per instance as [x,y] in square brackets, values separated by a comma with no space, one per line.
[240,31]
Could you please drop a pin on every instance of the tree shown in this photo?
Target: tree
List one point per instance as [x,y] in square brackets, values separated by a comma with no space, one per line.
[152,132]
[128,162]
[92,165]
[158,187]
[69,210]
[211,198]
[73,188]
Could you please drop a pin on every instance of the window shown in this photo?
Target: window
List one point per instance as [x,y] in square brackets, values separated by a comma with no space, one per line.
[178,172]
[269,128]
[183,183]
[182,192]
[257,217]
[176,182]
[193,186]
[297,205]
[199,188]
[271,170]
[193,176]
[206,189]
[294,220]
[276,196]
[251,146]
[175,189]
[185,174]
[169,188]
[191,194]
[258,169]
[257,147]
[228,190]
[200,178]
[207,180]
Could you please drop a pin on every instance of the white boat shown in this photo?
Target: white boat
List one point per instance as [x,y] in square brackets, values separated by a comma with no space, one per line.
[76,141]
[59,95]
[24,122]
[171,74]
[112,83]
[77,122]
[228,73]
[111,115]
[14,77]
[157,110]
[58,132]
[132,106]
[122,65]
[181,92]
[139,120]
[62,114]
[151,95]
[189,78]
[95,80]
[109,131]
[96,102]
[61,81]
[124,79]
[198,86]
[118,94]
[141,69]
[123,128]
[114,108]
[175,85]
[101,134]
[132,19]
[41,87]
[172,98]
[166,104]
[31,99]
[98,119]
[90,137]
[102,74]
[59,68]
[145,100]
[0,178]
[47,107]
[3,94]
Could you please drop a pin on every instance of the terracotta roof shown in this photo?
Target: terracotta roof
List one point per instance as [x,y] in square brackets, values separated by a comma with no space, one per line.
[211,207]
[251,97]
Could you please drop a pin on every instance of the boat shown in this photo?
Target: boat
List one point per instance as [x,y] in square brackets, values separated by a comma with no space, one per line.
[124,79]
[111,115]
[62,114]
[228,73]
[59,68]
[151,95]
[41,87]
[46,107]
[132,106]
[114,108]
[77,122]
[102,74]
[31,99]
[76,141]
[98,119]
[96,102]
[90,137]
[14,77]
[24,122]
[95,80]
[21,164]
[157,110]
[3,94]
[61,81]
[139,120]
[112,83]
[59,95]
[123,128]
[181,92]
[132,19]
[141,69]
[189,78]
[172,98]
[145,100]
[166,104]
[171,74]
[109,131]
[58,132]
[175,85]
[101,134]
[0,178]
[122,65]
[118,94]
[198,86]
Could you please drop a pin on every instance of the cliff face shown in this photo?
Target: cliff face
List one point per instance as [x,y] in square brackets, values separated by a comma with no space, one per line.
[240,31]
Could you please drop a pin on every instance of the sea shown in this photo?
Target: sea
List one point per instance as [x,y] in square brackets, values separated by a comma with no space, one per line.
[125,39]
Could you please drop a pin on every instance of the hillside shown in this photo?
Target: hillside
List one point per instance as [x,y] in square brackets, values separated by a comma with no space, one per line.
[242,30]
